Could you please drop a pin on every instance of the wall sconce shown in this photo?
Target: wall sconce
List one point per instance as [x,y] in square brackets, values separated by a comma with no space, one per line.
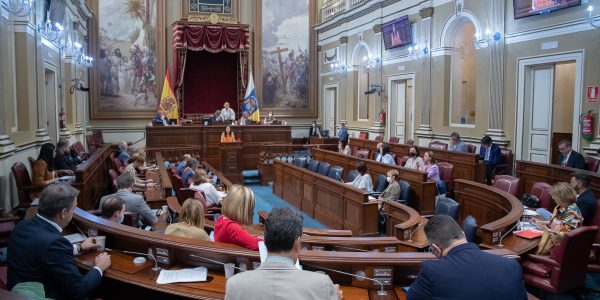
[590,19]
[372,62]
[417,53]
[20,8]
[337,68]
[51,32]
[485,40]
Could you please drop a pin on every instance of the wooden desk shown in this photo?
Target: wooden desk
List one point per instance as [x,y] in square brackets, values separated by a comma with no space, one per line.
[323,140]
[422,197]
[335,204]
[531,172]
[466,165]
[182,252]
[204,141]
[91,178]
[496,211]
[360,244]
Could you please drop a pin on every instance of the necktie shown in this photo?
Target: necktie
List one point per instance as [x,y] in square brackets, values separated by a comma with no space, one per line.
[487,153]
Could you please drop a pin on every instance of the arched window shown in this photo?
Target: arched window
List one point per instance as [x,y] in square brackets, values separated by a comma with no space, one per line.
[463,75]
[359,62]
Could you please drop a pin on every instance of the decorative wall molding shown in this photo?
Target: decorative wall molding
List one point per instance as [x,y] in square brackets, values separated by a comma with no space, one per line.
[549,31]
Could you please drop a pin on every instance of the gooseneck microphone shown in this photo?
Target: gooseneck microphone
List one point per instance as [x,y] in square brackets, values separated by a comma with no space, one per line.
[413,232]
[506,233]
[155,268]
[381,292]
[338,177]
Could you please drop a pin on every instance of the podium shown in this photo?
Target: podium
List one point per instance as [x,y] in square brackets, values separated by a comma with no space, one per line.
[231,164]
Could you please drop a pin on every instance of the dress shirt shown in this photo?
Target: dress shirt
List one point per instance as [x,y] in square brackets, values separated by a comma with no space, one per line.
[566,158]
[227,114]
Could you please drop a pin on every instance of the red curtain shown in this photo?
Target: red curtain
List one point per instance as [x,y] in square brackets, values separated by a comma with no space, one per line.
[206,88]
[194,73]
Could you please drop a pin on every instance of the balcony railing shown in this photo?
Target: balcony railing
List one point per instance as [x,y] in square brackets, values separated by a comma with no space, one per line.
[332,8]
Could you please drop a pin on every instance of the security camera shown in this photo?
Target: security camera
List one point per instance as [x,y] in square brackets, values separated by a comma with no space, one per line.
[374,88]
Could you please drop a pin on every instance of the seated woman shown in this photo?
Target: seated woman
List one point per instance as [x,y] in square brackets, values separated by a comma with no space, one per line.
[245,119]
[392,192]
[565,217]
[161,118]
[202,183]
[137,162]
[228,136]
[238,210]
[384,154]
[430,166]
[43,172]
[269,119]
[363,181]
[414,160]
[344,148]
[191,221]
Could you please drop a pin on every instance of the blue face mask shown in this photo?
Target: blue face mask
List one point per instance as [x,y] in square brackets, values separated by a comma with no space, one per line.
[122,218]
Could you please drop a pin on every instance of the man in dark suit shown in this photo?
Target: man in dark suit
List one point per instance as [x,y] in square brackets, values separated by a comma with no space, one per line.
[63,159]
[463,271]
[490,153]
[586,200]
[569,157]
[37,251]
[314,130]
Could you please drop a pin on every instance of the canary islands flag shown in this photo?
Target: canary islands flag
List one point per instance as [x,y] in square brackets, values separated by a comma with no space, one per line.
[250,101]
[168,103]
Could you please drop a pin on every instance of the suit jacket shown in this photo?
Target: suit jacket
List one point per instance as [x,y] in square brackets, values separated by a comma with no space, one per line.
[314,131]
[279,280]
[37,252]
[494,154]
[575,160]
[135,204]
[64,161]
[466,272]
[586,202]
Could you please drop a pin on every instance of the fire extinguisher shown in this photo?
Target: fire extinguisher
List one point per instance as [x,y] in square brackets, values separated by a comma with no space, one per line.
[62,118]
[586,121]
[382,117]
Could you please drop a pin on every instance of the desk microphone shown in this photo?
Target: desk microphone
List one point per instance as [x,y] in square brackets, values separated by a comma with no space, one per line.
[155,268]
[413,232]
[381,292]
[338,177]
[506,233]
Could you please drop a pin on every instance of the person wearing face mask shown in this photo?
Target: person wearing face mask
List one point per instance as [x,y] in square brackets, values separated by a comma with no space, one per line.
[414,160]
[269,119]
[392,192]
[462,270]
[314,130]
[113,209]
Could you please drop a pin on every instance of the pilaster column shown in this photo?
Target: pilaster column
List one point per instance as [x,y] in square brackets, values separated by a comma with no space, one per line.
[424,131]
[496,111]
[6,145]
[341,97]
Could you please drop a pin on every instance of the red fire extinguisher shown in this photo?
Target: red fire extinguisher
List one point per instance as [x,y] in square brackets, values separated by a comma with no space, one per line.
[382,117]
[62,118]
[586,121]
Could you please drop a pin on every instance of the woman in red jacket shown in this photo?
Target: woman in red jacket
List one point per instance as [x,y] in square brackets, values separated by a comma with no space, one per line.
[238,210]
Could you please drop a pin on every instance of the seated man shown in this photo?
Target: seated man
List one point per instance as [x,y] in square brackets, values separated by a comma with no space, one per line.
[456,144]
[277,277]
[569,157]
[134,203]
[184,161]
[216,117]
[490,153]
[462,270]
[161,119]
[124,156]
[38,252]
[113,209]
[63,159]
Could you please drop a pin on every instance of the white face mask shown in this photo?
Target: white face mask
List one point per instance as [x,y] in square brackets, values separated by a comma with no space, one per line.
[390,179]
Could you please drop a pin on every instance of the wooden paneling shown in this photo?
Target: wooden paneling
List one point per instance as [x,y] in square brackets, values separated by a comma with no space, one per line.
[423,197]
[91,178]
[530,173]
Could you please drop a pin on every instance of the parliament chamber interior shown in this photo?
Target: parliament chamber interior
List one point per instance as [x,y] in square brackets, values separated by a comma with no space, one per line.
[308,149]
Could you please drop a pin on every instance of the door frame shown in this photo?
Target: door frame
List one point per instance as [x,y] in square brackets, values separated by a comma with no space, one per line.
[335,86]
[390,80]
[48,67]
[523,63]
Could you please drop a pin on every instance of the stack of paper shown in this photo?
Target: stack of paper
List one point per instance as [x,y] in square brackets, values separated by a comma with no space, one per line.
[183,275]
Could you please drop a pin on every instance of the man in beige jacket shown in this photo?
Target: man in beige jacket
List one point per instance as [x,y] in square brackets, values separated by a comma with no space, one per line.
[277,277]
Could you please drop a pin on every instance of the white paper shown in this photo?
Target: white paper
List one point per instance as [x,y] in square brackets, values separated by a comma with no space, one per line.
[529,212]
[67,178]
[183,275]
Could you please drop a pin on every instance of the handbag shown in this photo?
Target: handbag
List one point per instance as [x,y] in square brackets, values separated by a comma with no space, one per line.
[530,201]
[547,242]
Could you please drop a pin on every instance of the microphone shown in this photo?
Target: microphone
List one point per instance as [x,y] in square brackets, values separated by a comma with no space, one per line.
[381,292]
[506,233]
[413,232]
[338,177]
[155,268]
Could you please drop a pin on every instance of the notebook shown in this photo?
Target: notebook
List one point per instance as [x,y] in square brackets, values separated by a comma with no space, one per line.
[529,233]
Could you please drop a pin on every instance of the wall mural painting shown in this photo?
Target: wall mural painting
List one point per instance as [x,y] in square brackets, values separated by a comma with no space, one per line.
[285,54]
[127,55]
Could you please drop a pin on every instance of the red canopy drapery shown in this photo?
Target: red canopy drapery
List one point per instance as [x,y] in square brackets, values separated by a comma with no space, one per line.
[212,38]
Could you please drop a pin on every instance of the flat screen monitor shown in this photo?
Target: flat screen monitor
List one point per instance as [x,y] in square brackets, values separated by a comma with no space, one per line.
[397,33]
[206,120]
[526,8]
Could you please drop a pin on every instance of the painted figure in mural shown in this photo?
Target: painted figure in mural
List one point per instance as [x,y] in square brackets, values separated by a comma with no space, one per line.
[104,71]
[138,67]
[116,61]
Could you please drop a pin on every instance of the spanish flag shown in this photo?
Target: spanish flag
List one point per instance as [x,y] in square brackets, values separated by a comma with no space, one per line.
[168,103]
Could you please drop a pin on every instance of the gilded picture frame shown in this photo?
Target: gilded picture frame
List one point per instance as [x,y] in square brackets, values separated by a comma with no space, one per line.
[187,12]
[126,83]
